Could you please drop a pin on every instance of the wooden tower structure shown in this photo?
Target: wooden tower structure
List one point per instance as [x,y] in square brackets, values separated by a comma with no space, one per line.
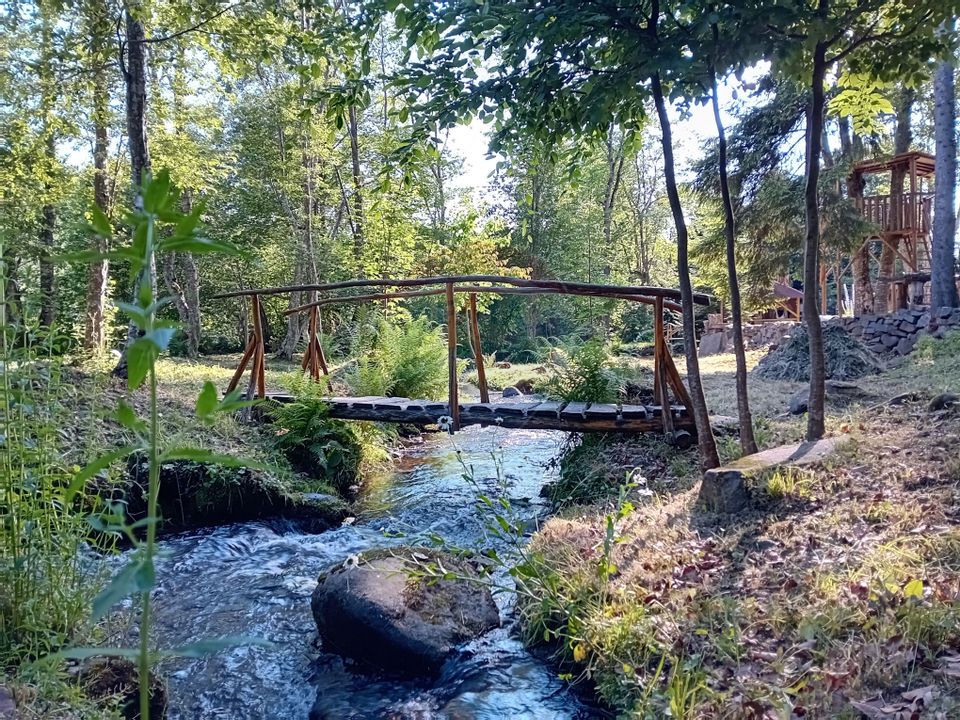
[902,220]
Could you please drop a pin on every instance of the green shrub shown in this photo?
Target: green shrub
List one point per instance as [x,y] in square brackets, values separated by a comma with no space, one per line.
[408,359]
[331,451]
[584,375]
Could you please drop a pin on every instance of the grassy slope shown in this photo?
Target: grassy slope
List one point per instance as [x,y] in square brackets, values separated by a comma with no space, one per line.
[840,587]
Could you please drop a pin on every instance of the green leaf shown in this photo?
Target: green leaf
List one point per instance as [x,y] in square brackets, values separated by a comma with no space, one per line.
[203,455]
[202,648]
[913,589]
[127,417]
[140,358]
[123,584]
[156,191]
[101,463]
[100,222]
[207,401]
[82,653]
[161,336]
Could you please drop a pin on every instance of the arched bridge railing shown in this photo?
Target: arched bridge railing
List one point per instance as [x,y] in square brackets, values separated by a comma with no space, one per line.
[665,373]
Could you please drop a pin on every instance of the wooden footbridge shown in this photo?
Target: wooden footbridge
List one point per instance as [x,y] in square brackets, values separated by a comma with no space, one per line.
[676,422]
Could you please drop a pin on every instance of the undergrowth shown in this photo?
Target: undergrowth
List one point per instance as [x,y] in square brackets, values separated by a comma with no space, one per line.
[408,359]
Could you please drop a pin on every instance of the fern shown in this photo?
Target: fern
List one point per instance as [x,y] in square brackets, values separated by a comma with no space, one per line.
[407,360]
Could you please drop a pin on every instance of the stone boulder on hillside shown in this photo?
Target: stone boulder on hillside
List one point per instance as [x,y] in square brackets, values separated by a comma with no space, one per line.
[378,613]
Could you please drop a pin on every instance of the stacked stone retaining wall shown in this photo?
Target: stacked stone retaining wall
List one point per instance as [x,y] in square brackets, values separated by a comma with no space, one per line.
[896,333]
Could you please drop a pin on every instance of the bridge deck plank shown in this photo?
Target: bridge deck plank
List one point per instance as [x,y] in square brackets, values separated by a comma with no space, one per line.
[534,415]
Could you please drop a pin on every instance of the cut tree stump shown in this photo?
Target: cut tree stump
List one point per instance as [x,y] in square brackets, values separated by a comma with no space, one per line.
[724,489]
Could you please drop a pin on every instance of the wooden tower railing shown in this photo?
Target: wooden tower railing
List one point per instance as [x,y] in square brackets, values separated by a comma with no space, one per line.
[666,376]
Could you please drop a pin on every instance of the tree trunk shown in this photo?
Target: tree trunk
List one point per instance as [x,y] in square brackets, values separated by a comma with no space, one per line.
[707,445]
[903,137]
[98,273]
[358,218]
[135,80]
[943,284]
[811,250]
[48,224]
[48,220]
[748,443]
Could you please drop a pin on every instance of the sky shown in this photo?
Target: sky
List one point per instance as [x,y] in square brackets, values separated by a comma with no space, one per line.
[689,134]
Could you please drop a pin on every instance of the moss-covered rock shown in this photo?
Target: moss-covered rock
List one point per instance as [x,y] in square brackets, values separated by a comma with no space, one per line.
[379,611]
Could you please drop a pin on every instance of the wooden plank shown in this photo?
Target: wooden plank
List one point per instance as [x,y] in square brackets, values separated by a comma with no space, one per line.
[574,410]
[634,412]
[479,408]
[477,351]
[602,411]
[513,408]
[550,408]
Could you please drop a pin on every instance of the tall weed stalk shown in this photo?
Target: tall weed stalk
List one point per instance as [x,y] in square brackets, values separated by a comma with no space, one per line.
[157,229]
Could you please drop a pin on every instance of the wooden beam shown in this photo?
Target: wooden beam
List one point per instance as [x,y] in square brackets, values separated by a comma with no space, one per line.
[478,350]
[560,285]
[496,290]
[453,381]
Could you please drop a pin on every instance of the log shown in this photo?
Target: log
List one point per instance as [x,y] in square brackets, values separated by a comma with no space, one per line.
[562,286]
[477,350]
[453,381]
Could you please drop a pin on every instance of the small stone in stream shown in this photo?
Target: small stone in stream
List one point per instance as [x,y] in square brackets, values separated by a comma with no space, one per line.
[943,401]
[8,707]
[375,611]
[511,392]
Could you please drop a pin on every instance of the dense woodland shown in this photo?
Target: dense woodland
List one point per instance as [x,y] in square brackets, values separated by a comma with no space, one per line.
[155,154]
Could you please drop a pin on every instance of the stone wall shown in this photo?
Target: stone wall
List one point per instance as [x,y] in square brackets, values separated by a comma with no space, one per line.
[895,334]
[755,335]
[898,332]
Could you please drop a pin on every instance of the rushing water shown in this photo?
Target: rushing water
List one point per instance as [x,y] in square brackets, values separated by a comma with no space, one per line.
[255,580]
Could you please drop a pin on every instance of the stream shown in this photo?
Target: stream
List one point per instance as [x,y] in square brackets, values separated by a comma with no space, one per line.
[255,580]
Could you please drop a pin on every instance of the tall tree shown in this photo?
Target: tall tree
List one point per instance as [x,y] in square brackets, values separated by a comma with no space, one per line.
[943,284]
[98,28]
[811,40]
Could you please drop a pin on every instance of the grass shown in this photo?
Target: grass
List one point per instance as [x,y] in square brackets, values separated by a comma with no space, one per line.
[835,596]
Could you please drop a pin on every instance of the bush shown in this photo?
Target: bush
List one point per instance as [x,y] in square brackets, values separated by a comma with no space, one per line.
[330,450]
[585,375]
[408,359]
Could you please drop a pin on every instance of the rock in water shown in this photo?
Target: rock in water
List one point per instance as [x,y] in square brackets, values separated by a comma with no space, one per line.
[375,612]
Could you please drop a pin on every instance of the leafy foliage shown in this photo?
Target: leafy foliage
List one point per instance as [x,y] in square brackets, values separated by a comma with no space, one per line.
[408,359]
[584,375]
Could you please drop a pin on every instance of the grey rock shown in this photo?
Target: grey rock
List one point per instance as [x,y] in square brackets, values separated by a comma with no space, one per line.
[943,401]
[924,320]
[908,327]
[712,344]
[944,312]
[511,392]
[889,340]
[798,402]
[376,612]
[905,346]
[8,707]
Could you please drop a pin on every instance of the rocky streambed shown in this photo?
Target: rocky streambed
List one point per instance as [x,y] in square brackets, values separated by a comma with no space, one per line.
[256,580]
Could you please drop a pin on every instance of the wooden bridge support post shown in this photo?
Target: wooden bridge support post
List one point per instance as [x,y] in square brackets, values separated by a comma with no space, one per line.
[660,395]
[253,354]
[477,350]
[453,387]
[313,358]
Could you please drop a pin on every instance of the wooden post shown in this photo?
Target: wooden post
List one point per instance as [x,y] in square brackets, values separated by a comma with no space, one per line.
[477,350]
[453,381]
[258,373]
[660,352]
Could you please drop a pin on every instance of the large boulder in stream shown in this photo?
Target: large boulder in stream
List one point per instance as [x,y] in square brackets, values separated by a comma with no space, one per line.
[380,612]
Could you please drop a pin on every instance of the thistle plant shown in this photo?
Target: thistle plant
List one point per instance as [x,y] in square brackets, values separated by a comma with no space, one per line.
[158,228]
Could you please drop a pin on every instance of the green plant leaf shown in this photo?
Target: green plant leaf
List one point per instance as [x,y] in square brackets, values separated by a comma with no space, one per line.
[203,455]
[100,222]
[140,358]
[913,589]
[155,192]
[212,646]
[101,463]
[127,417]
[207,401]
[123,584]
